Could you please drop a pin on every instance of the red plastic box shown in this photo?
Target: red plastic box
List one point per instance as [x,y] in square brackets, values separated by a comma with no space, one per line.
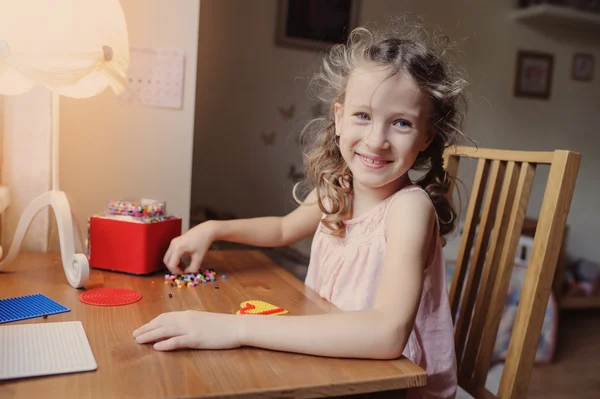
[129,247]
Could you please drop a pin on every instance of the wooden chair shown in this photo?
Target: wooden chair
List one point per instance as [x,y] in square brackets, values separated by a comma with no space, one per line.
[496,208]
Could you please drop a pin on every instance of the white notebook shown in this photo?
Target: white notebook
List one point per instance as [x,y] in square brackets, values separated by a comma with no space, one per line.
[30,350]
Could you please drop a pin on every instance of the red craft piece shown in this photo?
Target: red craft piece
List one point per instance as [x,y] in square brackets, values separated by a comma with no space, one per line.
[110,296]
[250,307]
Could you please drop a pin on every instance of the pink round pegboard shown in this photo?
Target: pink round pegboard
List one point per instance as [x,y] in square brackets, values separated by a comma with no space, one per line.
[110,296]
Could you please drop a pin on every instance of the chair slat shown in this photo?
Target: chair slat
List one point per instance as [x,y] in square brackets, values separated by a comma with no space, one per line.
[475,265]
[502,279]
[451,166]
[468,234]
[474,390]
[539,275]
[482,306]
[535,157]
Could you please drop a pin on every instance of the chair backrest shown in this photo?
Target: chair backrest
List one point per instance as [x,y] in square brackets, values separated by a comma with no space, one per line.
[496,209]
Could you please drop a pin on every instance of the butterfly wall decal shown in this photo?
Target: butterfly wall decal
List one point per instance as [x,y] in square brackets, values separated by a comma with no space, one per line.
[268,138]
[287,113]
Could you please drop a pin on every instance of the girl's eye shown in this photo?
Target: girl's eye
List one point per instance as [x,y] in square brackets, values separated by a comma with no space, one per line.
[362,116]
[403,124]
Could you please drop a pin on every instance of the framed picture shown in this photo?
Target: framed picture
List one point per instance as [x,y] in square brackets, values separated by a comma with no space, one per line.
[583,67]
[534,74]
[315,24]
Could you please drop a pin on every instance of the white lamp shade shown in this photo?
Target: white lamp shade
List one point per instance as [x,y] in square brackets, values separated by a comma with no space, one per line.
[74,47]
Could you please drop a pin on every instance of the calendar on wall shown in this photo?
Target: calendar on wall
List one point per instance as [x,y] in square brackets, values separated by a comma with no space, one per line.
[155,78]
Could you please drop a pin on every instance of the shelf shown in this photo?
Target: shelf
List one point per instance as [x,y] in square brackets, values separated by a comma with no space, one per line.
[552,16]
[580,302]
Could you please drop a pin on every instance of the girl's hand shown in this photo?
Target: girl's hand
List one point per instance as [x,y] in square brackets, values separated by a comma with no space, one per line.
[191,329]
[194,243]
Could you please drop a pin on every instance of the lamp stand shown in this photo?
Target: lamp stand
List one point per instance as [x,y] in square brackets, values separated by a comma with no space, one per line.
[76,265]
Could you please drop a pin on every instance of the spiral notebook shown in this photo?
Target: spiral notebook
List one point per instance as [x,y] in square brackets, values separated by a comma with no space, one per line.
[31,350]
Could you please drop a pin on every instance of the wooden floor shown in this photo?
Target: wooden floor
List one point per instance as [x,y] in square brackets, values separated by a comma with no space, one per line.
[575,374]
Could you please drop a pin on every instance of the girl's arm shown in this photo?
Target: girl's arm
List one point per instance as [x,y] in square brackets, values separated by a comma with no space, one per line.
[381,332]
[271,231]
[263,232]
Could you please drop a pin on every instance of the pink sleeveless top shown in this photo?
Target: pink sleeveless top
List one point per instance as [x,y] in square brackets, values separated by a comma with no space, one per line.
[346,272]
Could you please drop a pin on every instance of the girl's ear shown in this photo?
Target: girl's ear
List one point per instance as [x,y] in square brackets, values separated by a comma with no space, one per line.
[339,112]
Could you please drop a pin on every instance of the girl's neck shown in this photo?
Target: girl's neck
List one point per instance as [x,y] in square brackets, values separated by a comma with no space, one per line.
[364,198]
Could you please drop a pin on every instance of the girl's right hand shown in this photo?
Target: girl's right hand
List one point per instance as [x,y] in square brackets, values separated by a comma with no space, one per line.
[194,243]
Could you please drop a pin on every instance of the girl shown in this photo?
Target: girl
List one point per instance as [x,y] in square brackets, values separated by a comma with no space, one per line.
[377,248]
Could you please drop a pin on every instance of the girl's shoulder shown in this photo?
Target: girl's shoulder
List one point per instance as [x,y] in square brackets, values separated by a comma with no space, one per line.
[420,200]
[410,188]
[419,205]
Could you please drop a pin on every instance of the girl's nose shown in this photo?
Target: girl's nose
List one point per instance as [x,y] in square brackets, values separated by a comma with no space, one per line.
[376,139]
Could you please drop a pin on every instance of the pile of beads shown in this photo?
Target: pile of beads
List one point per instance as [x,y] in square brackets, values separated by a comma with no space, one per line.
[156,219]
[190,279]
[135,209]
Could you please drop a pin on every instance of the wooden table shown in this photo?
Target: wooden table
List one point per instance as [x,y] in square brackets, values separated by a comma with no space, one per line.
[127,369]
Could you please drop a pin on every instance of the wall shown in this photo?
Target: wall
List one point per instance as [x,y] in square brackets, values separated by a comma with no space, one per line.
[567,120]
[26,163]
[246,78]
[111,149]
[242,82]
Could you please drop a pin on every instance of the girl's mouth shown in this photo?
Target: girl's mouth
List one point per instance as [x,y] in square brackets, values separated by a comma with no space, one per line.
[373,162]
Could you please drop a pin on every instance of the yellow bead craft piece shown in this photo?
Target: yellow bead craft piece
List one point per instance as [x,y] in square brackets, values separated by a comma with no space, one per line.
[260,307]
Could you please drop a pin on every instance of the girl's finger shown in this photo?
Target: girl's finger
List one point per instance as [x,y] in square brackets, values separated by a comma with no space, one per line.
[194,263]
[144,329]
[175,261]
[178,342]
[167,256]
[159,321]
[178,269]
[157,334]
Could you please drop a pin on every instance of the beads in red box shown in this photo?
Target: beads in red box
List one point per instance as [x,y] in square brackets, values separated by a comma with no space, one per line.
[135,209]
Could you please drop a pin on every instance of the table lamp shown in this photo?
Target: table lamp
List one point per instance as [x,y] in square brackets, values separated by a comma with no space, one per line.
[75,48]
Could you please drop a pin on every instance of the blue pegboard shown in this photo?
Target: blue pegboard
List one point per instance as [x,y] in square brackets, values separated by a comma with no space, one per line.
[28,307]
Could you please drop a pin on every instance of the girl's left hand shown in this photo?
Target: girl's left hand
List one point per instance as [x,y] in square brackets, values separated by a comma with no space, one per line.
[191,329]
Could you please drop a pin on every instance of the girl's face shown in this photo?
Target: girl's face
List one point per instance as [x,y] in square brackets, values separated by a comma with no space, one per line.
[382,126]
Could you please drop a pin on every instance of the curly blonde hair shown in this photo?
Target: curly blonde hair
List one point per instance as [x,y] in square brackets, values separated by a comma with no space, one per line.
[403,46]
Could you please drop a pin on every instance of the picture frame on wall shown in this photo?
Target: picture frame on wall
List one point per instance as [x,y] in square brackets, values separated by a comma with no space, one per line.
[533,77]
[582,68]
[315,24]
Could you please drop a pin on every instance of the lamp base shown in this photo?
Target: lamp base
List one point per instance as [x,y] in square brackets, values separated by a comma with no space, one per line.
[76,266]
